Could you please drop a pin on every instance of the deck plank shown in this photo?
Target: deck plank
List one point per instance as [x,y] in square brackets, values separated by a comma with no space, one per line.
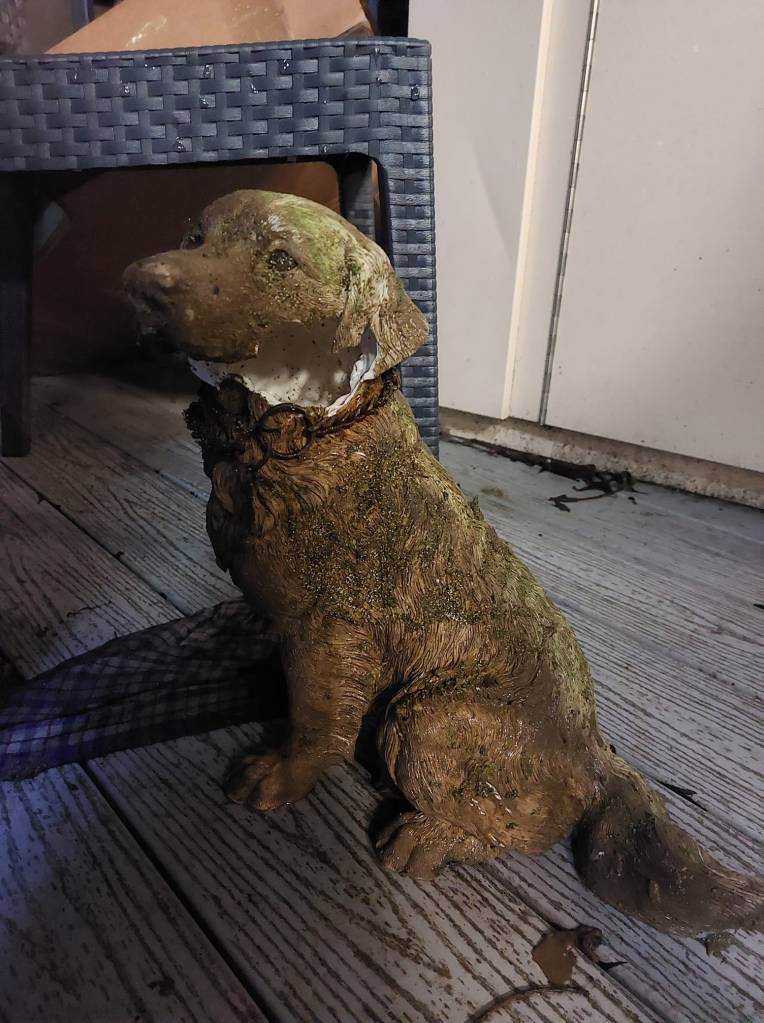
[645,533]
[154,527]
[61,594]
[106,406]
[696,511]
[143,424]
[312,920]
[89,931]
[147,425]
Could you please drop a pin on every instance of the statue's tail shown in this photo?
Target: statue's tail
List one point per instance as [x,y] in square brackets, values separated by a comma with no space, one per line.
[629,853]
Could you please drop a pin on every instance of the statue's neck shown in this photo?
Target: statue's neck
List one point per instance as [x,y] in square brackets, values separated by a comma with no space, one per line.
[234,424]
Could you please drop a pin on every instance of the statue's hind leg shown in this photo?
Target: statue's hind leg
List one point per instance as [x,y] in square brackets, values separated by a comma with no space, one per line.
[441,752]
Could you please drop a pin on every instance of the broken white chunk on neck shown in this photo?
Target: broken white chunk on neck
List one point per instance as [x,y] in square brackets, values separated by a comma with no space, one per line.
[332,388]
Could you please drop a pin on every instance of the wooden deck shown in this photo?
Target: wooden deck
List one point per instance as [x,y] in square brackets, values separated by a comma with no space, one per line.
[130,890]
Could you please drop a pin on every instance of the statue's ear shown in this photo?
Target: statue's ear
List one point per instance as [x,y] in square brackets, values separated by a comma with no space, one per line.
[375,301]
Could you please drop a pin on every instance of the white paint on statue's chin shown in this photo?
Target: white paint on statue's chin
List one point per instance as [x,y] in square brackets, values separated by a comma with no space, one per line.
[332,388]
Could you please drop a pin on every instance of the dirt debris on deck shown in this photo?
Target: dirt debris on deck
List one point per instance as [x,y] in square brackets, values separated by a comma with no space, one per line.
[555,954]
[607,482]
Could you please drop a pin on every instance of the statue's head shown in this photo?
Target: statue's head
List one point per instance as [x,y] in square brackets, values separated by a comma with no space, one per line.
[282,292]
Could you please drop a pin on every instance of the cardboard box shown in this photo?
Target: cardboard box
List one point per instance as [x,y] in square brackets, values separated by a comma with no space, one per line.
[149,24]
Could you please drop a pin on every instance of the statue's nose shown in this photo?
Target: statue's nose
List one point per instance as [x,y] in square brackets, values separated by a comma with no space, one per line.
[158,273]
[150,285]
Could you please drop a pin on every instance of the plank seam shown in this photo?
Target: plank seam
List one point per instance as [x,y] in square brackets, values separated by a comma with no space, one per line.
[41,496]
[187,488]
[179,894]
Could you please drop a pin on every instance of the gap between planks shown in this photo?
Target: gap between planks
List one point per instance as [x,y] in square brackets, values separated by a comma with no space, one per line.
[89,931]
[61,593]
[262,1010]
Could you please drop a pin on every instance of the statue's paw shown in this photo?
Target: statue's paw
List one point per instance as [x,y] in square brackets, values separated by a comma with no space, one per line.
[269,780]
[411,845]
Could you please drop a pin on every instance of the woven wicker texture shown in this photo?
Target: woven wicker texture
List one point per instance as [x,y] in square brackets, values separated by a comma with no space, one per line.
[322,98]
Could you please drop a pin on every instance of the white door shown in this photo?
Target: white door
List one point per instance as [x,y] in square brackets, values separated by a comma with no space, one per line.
[660,339]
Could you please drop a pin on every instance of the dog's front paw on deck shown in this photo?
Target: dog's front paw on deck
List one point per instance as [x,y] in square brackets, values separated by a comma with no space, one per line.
[266,781]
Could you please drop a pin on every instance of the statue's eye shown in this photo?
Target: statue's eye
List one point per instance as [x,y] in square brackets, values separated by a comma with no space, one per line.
[194,238]
[280,260]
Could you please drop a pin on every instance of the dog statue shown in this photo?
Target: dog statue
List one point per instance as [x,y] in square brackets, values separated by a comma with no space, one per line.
[394,606]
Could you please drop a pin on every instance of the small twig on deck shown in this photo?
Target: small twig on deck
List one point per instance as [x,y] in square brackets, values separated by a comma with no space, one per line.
[560,502]
[607,483]
[523,995]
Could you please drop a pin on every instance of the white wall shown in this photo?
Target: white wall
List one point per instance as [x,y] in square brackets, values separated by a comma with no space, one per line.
[660,339]
[661,333]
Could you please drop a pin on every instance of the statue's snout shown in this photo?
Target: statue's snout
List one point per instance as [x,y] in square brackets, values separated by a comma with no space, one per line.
[151,286]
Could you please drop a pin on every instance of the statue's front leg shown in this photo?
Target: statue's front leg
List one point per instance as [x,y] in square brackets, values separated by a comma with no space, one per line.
[332,680]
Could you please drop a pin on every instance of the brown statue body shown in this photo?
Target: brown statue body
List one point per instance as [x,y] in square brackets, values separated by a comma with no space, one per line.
[396,608]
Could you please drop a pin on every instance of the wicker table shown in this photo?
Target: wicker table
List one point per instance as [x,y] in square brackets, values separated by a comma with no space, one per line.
[345,101]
